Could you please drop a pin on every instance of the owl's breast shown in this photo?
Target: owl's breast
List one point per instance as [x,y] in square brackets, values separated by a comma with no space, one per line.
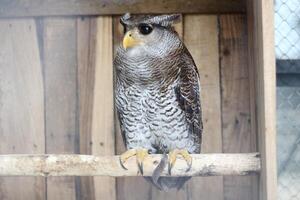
[153,117]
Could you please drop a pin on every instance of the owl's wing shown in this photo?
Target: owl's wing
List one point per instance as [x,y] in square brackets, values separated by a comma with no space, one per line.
[188,95]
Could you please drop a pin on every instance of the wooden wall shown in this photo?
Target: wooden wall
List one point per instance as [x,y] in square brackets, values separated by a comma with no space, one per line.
[56,96]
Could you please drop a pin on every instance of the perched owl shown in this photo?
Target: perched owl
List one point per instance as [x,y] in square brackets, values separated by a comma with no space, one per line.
[157,94]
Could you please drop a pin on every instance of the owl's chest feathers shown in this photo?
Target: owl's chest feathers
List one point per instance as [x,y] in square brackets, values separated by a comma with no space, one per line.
[148,71]
[149,110]
[153,120]
[142,99]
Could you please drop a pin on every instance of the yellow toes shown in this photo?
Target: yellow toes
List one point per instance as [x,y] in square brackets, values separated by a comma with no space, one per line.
[173,156]
[126,155]
[140,154]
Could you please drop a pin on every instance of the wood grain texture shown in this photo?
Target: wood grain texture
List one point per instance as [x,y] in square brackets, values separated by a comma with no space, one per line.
[236,113]
[203,44]
[20,8]
[262,57]
[60,69]
[21,103]
[103,137]
[86,78]
[88,165]
[252,77]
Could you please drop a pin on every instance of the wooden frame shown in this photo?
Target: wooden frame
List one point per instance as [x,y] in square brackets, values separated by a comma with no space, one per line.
[262,58]
[261,64]
[19,8]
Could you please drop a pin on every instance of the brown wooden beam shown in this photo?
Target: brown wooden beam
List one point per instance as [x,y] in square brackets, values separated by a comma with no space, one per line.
[28,8]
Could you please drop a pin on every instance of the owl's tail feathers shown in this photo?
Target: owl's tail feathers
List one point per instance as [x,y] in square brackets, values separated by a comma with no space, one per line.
[159,169]
[165,183]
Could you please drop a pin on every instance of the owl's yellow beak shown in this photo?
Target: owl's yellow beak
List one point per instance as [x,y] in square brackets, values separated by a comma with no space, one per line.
[129,41]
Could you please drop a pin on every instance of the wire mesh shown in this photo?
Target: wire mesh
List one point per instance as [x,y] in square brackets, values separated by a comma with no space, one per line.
[287,41]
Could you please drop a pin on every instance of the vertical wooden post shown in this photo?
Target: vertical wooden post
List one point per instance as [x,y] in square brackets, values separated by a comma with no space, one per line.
[203,44]
[103,110]
[262,58]
[60,70]
[235,95]
[86,76]
[21,103]
[96,113]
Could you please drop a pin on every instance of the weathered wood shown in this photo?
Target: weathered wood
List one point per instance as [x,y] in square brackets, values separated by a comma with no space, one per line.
[262,57]
[60,69]
[236,114]
[20,8]
[86,75]
[103,137]
[88,165]
[204,47]
[254,136]
[22,125]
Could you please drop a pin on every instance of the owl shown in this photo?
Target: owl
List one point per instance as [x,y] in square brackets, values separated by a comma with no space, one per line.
[157,95]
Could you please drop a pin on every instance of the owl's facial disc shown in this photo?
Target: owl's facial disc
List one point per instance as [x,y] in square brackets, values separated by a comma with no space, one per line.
[137,36]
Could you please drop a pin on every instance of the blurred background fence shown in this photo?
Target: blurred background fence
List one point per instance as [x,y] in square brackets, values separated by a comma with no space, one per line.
[287,41]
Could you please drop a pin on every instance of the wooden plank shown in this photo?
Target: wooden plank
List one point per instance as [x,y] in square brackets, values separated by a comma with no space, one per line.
[85,76]
[262,57]
[103,137]
[95,76]
[254,137]
[204,47]
[236,110]
[21,103]
[60,69]
[20,8]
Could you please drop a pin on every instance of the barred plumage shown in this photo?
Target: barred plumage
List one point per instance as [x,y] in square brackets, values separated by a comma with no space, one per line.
[158,92]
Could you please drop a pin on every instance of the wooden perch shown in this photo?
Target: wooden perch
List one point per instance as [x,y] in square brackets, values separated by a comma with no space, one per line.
[88,165]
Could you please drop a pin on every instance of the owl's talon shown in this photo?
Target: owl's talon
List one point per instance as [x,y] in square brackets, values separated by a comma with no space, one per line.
[173,156]
[125,156]
[122,165]
[140,157]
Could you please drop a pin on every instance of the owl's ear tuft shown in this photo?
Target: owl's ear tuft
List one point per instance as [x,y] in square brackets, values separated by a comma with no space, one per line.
[125,18]
[167,20]
[174,18]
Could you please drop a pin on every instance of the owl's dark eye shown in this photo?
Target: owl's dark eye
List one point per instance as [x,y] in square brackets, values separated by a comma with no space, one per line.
[145,29]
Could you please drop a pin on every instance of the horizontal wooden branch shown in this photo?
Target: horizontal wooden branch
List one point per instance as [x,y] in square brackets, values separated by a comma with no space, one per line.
[87,165]
[21,8]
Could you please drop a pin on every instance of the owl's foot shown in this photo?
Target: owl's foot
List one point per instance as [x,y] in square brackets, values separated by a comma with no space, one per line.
[173,156]
[140,157]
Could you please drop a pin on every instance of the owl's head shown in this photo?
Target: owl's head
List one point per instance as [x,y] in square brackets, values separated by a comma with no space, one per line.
[150,34]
